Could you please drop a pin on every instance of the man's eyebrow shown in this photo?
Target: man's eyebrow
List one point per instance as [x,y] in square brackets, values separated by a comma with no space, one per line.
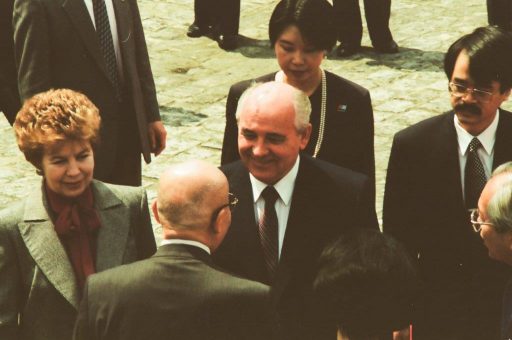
[461,81]
[275,135]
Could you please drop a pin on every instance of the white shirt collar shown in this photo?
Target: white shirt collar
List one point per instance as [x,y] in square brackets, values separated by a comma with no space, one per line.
[487,137]
[187,242]
[284,187]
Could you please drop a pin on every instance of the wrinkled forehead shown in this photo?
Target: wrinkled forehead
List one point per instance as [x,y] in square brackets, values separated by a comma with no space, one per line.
[278,113]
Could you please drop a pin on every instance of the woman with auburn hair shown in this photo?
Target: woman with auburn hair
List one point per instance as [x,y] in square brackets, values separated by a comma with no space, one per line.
[301,33]
[68,228]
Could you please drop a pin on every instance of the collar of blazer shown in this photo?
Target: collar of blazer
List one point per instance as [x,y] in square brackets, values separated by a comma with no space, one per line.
[42,242]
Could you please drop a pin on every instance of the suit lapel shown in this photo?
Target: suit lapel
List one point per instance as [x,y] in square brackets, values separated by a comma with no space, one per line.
[123,20]
[115,222]
[127,44]
[296,238]
[246,231]
[42,242]
[445,152]
[79,16]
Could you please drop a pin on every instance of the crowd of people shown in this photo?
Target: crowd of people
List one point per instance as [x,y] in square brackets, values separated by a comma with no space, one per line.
[282,240]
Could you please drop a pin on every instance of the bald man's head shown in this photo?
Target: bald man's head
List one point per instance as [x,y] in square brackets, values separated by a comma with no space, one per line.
[188,195]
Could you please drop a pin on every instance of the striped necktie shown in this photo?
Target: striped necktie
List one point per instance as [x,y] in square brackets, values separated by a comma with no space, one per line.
[106,44]
[268,230]
[474,175]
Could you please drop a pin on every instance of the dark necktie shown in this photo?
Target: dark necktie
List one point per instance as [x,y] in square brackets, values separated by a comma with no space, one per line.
[474,175]
[106,43]
[268,230]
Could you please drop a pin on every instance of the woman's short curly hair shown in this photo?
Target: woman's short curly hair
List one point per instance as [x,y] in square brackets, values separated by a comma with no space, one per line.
[54,116]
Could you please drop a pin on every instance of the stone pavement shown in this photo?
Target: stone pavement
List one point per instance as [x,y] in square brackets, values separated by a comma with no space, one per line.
[193,77]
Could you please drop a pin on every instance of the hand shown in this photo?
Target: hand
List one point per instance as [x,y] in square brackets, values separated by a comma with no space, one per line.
[157,137]
[403,334]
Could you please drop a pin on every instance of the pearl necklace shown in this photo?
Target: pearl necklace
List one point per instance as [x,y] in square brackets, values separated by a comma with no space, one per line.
[322,115]
[280,77]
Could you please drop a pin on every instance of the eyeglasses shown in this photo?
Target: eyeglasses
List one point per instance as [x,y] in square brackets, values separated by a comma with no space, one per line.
[459,91]
[232,202]
[477,225]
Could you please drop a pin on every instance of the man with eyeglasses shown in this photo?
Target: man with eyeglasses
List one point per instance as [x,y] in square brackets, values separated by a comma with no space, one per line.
[290,205]
[178,293]
[493,221]
[437,169]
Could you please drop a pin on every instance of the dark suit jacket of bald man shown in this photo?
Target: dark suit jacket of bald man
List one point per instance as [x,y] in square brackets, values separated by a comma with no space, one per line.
[327,201]
[176,294]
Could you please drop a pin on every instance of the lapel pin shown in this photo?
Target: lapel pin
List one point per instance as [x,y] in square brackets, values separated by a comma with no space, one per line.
[342,108]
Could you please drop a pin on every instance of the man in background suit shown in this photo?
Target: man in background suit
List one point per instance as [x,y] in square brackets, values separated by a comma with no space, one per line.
[96,47]
[436,172]
[220,18]
[178,293]
[290,206]
[350,26]
[499,13]
[9,97]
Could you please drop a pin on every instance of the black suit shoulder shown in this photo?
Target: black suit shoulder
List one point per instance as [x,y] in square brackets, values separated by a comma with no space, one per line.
[346,86]
[425,129]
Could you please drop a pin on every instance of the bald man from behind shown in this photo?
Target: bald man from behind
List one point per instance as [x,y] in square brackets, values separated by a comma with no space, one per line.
[178,293]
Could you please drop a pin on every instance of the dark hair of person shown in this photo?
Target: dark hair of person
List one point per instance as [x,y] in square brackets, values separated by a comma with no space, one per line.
[490,53]
[314,18]
[366,284]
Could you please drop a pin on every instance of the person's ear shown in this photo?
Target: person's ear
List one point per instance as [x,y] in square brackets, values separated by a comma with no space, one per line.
[304,136]
[222,221]
[154,208]
[506,95]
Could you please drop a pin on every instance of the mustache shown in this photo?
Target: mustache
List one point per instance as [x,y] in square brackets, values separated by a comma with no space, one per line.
[470,108]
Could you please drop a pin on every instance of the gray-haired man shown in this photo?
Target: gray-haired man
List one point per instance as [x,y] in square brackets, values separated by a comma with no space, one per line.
[493,220]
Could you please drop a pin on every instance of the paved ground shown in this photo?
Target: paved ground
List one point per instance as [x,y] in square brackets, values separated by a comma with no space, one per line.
[193,77]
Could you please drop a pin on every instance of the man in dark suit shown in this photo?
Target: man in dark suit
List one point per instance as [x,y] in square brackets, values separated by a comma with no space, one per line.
[290,206]
[436,172]
[96,47]
[221,18]
[178,293]
[9,98]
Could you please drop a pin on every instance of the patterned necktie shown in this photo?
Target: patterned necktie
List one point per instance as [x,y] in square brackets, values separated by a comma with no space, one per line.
[474,175]
[106,43]
[268,230]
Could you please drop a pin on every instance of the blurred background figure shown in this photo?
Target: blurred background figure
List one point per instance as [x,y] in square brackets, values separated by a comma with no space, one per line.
[69,227]
[493,221]
[302,32]
[178,293]
[499,13]
[366,285]
[9,97]
[219,19]
[350,26]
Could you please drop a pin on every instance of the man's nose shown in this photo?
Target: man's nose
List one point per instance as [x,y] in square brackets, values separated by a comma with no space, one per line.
[259,149]
[468,96]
